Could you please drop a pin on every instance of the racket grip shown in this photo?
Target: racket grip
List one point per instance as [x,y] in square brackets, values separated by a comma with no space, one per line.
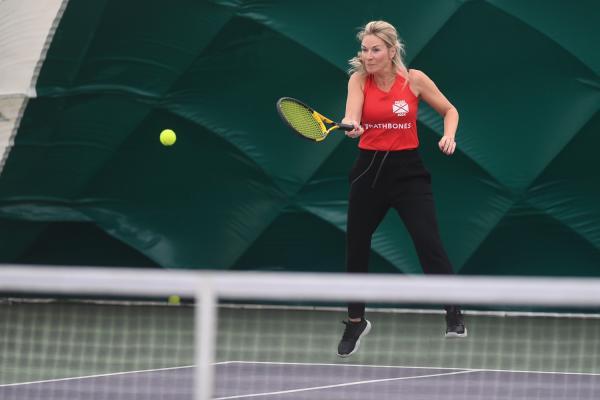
[346,127]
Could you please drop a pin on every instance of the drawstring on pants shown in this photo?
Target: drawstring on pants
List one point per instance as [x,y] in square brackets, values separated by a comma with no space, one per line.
[366,170]
[379,169]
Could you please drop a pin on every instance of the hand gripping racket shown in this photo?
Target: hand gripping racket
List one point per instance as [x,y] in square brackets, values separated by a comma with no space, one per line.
[305,121]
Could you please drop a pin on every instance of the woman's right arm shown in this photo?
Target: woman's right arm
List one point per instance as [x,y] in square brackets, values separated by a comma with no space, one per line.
[354,104]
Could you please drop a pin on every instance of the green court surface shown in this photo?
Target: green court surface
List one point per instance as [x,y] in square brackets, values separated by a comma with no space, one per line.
[59,340]
[54,340]
[408,339]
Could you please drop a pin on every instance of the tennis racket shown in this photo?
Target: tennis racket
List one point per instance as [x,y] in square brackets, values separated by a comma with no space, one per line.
[305,121]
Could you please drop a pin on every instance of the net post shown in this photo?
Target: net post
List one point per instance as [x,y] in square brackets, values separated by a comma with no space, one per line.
[205,320]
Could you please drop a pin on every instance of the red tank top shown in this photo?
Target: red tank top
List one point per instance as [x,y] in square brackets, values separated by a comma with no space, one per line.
[389,119]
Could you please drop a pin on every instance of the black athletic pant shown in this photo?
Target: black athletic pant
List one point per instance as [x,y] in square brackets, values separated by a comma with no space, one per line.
[380,180]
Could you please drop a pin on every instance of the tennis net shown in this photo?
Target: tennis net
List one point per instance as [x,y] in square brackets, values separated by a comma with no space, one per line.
[89,333]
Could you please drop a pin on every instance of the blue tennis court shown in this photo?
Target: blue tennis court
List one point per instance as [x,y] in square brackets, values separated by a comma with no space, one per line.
[263,380]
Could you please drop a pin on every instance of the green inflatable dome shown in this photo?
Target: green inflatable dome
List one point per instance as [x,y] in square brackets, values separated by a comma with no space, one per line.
[85,179]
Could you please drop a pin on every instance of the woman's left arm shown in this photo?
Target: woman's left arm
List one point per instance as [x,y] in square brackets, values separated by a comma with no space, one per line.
[430,93]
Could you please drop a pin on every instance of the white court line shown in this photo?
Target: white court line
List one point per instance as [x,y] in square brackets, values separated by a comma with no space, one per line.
[462,370]
[341,385]
[418,311]
[95,376]
[411,367]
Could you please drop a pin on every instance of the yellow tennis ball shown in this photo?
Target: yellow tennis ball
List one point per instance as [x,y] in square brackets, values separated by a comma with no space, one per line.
[168,137]
[174,299]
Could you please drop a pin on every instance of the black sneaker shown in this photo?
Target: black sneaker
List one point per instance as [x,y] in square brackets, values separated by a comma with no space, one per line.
[455,324]
[351,338]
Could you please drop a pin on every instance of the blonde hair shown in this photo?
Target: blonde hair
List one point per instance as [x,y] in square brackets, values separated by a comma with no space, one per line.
[386,32]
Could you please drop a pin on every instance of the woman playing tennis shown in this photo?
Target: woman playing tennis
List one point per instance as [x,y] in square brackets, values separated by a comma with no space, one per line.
[382,103]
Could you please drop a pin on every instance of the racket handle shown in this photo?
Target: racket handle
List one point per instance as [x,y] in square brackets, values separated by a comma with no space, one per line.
[346,127]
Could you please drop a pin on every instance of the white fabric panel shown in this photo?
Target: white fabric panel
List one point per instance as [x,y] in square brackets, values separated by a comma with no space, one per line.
[11,108]
[26,30]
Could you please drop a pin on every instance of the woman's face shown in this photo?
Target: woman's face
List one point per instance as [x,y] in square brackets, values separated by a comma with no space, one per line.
[375,55]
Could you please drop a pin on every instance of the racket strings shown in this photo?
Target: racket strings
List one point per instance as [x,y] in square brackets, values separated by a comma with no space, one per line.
[302,120]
